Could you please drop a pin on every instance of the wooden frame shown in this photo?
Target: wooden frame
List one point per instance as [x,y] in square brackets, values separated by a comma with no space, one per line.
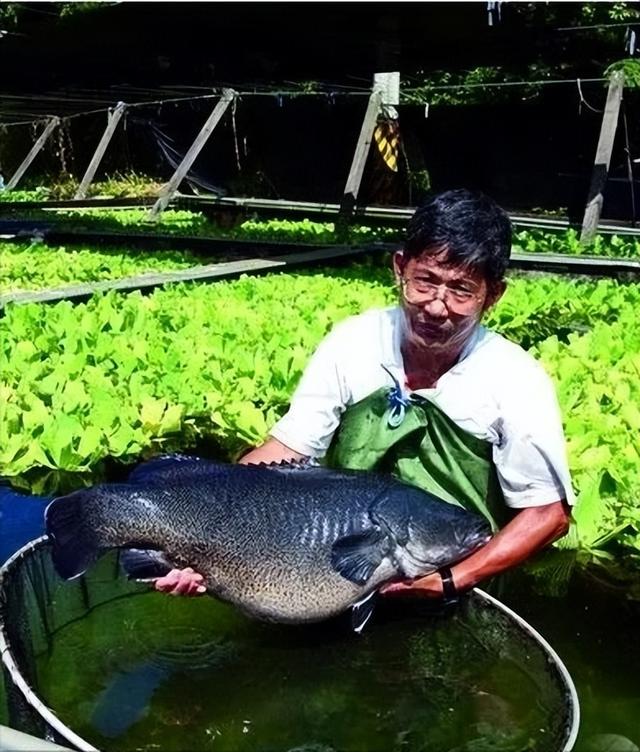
[113,118]
[608,128]
[352,187]
[166,194]
[34,151]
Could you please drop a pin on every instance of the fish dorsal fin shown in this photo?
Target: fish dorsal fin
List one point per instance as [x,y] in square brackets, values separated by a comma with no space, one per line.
[356,557]
[168,467]
[310,470]
[305,463]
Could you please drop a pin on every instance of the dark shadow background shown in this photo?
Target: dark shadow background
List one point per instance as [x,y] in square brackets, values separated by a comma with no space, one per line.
[525,152]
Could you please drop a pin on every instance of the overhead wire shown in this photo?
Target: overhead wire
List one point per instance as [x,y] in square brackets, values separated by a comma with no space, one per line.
[630,22]
[275,91]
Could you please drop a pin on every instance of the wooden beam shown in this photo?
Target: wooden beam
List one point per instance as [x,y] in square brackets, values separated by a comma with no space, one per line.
[603,158]
[166,194]
[35,149]
[203,272]
[572,264]
[352,186]
[113,119]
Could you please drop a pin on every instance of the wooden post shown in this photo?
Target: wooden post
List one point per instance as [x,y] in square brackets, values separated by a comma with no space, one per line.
[352,186]
[166,194]
[603,158]
[113,119]
[53,122]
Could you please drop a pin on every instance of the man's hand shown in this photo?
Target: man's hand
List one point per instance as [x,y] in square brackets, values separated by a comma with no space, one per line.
[181,582]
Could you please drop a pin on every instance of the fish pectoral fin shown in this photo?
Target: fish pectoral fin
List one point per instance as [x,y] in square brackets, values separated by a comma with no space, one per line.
[144,564]
[361,611]
[356,557]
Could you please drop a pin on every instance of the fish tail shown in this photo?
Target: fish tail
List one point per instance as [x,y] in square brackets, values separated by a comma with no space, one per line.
[74,543]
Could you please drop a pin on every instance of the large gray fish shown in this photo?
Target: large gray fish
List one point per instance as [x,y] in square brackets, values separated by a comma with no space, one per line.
[285,543]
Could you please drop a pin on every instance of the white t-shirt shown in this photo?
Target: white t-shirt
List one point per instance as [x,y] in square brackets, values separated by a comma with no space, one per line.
[496,391]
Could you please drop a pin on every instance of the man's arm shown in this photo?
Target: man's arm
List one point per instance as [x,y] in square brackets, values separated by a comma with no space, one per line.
[271,451]
[527,533]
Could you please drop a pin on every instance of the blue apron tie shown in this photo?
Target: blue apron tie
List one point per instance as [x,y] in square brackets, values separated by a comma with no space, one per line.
[398,403]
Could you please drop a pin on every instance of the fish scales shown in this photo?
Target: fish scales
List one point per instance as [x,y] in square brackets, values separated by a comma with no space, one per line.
[282,543]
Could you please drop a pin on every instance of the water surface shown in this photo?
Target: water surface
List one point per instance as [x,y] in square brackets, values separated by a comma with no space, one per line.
[152,671]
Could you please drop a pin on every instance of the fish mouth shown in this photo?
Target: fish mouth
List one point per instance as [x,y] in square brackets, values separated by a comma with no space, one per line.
[480,542]
[478,539]
[471,545]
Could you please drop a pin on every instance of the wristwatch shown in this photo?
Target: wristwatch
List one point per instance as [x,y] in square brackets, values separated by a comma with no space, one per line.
[449,592]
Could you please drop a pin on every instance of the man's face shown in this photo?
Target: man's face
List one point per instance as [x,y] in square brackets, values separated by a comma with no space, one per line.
[442,303]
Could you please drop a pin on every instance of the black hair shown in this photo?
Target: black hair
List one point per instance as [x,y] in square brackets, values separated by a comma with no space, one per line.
[469,226]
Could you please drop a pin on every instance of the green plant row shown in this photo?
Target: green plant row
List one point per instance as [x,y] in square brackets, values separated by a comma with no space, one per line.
[567,242]
[188,223]
[540,306]
[128,376]
[118,185]
[598,381]
[552,306]
[37,266]
[16,197]
[182,222]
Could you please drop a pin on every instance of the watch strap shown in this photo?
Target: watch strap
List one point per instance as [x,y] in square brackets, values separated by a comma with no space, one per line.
[449,591]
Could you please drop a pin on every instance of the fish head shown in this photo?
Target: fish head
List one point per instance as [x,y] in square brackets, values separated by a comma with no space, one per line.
[428,532]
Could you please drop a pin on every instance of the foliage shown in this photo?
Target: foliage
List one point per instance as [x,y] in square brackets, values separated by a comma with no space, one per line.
[597,377]
[127,376]
[534,309]
[568,242]
[123,375]
[37,266]
[631,69]
[40,193]
[181,222]
[9,14]
[119,185]
[603,12]
[126,185]
[170,222]
[72,9]
[470,87]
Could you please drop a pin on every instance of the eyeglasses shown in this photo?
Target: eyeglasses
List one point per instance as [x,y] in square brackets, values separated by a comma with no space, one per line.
[419,290]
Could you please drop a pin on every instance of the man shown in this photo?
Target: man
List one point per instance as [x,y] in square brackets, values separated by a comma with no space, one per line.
[424,391]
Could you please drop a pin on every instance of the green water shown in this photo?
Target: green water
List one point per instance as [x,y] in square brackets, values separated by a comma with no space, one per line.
[593,622]
[129,669]
[153,672]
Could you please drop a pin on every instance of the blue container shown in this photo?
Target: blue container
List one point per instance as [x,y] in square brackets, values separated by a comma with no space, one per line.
[21,519]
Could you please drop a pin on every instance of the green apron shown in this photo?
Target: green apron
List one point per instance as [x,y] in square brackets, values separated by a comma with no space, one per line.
[415,441]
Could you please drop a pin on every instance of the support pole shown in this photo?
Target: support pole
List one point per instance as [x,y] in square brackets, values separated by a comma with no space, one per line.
[627,150]
[352,186]
[113,119]
[603,158]
[166,194]
[35,149]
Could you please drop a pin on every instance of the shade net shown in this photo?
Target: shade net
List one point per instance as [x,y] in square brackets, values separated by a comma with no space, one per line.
[126,668]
